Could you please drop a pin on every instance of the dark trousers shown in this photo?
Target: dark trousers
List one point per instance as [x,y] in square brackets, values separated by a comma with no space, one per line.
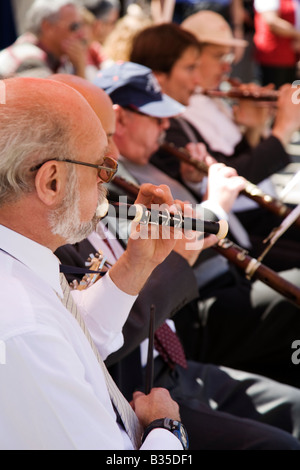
[224,409]
[246,326]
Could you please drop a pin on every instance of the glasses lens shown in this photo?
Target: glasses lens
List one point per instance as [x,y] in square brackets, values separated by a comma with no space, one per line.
[228,58]
[75,27]
[112,165]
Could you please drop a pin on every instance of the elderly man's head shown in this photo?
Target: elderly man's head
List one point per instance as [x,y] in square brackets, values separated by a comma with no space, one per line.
[142,110]
[99,101]
[55,22]
[218,46]
[48,161]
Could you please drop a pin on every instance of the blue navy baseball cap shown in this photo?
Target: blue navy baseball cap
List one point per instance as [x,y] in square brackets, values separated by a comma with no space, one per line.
[134,85]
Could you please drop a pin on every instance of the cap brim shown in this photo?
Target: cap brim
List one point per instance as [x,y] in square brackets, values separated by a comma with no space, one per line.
[166,107]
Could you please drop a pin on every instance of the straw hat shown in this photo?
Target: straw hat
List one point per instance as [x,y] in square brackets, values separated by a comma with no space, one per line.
[210,27]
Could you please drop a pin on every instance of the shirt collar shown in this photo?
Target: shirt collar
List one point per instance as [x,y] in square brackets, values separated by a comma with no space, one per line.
[36,257]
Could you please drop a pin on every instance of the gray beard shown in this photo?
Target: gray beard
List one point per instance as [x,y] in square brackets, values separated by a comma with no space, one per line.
[65,221]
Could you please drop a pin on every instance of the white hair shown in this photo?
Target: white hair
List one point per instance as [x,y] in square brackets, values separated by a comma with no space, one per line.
[45,9]
[30,134]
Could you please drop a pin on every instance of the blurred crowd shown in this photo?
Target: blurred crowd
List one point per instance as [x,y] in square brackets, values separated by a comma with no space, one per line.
[270,28]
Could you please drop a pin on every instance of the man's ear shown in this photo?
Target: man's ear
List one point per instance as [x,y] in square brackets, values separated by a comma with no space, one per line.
[46,28]
[50,182]
[121,119]
[118,111]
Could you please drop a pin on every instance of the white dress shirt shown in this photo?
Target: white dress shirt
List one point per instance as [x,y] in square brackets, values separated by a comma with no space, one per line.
[112,251]
[214,120]
[53,393]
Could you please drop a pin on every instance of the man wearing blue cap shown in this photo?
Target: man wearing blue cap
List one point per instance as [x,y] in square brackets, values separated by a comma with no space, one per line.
[138,99]
[136,91]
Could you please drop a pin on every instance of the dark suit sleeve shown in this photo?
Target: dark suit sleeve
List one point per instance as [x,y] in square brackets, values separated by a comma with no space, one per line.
[255,164]
[75,255]
[259,162]
[171,286]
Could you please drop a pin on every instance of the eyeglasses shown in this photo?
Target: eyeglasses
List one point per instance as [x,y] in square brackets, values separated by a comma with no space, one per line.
[227,58]
[105,172]
[136,111]
[224,58]
[215,53]
[75,26]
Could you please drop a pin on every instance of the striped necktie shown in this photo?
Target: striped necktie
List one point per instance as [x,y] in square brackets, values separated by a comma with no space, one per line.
[121,405]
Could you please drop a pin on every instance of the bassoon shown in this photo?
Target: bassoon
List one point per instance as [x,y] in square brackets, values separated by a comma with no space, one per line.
[131,189]
[254,269]
[251,190]
[270,96]
[249,266]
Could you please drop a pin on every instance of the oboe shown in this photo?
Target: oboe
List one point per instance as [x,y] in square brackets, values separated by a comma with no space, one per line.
[253,269]
[251,190]
[144,216]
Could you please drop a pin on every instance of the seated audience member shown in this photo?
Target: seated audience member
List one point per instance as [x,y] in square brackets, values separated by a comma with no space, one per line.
[53,42]
[276,41]
[195,385]
[55,341]
[165,49]
[226,321]
[100,19]
[107,13]
[94,54]
[117,45]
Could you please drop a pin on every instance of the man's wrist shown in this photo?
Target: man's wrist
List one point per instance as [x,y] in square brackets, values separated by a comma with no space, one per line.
[130,276]
[174,426]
